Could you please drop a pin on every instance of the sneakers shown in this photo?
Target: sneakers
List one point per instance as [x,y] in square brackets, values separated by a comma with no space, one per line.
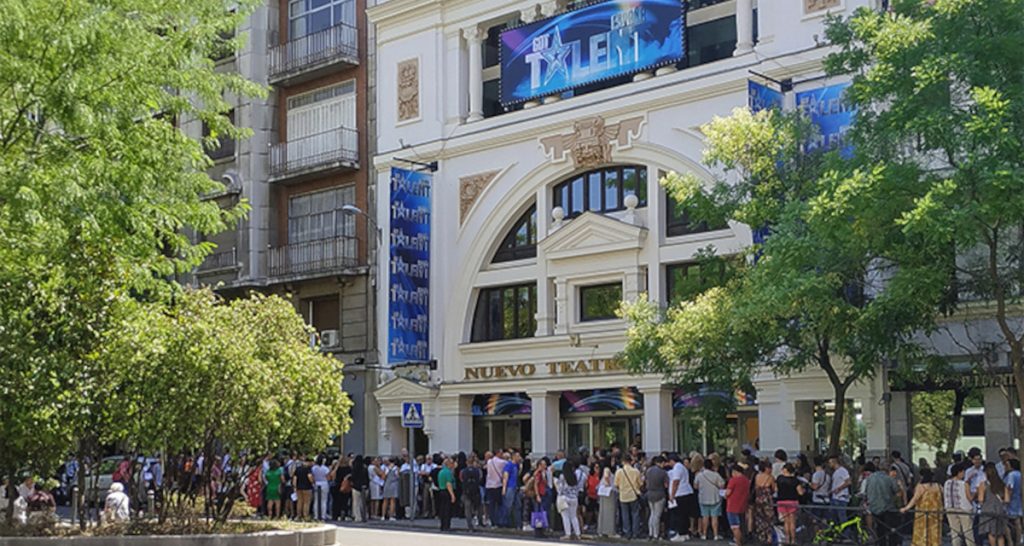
[680,538]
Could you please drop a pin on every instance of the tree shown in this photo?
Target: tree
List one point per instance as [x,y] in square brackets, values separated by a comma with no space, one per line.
[98,187]
[240,377]
[941,100]
[821,291]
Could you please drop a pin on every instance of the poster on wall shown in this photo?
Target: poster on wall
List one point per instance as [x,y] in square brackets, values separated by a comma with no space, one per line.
[830,112]
[593,43]
[409,268]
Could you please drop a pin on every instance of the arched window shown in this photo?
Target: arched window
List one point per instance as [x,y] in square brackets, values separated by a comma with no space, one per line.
[521,241]
[601,190]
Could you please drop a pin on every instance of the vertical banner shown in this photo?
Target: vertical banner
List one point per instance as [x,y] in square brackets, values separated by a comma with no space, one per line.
[832,114]
[761,97]
[409,268]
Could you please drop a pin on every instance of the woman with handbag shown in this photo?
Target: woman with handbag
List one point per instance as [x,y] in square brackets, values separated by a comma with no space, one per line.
[569,486]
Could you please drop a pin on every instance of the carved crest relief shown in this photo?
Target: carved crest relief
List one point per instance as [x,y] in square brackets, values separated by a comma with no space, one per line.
[591,141]
[408,89]
[470,188]
[812,6]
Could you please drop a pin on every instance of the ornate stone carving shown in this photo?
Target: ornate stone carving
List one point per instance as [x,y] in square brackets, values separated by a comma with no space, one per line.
[470,188]
[408,89]
[591,141]
[813,6]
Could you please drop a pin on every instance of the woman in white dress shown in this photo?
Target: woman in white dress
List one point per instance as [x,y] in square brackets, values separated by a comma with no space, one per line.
[376,487]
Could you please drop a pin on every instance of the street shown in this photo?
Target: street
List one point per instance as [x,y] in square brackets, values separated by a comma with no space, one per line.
[360,535]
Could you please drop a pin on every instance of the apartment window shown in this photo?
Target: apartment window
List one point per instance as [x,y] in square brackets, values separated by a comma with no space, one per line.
[600,301]
[505,312]
[322,313]
[309,16]
[711,41]
[226,146]
[318,215]
[492,70]
[687,280]
[321,110]
[678,222]
[601,190]
[521,241]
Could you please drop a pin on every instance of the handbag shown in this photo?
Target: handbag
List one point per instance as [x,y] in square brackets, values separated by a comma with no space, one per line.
[539,519]
[346,485]
[562,503]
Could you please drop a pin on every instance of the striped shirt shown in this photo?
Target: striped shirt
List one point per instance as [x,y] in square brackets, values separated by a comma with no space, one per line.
[955,496]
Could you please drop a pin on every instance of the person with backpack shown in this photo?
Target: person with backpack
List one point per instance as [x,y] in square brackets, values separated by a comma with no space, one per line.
[471,477]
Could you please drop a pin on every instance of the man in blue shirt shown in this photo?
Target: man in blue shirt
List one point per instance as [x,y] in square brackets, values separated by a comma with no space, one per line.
[511,510]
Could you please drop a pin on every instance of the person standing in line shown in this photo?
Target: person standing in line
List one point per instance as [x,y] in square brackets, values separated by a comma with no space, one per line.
[321,488]
[821,488]
[471,477]
[708,484]
[737,498]
[302,482]
[993,496]
[927,500]
[568,486]
[389,491]
[606,503]
[446,493]
[627,481]
[840,493]
[958,502]
[657,491]
[680,495]
[881,490]
[764,513]
[1013,507]
[376,488]
[511,509]
[493,483]
[272,489]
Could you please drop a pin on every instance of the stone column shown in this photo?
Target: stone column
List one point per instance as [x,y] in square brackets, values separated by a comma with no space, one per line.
[901,424]
[453,431]
[474,37]
[999,421]
[744,27]
[561,306]
[657,428]
[545,422]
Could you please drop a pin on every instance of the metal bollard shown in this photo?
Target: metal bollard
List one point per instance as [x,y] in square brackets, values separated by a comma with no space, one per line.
[150,502]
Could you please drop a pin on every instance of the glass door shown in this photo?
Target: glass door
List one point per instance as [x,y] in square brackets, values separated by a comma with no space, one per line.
[615,432]
[577,435]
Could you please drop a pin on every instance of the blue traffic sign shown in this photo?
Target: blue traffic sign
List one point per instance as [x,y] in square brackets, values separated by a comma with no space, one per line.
[412,414]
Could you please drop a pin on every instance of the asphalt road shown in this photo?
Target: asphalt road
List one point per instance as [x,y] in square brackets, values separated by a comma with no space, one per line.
[366,536]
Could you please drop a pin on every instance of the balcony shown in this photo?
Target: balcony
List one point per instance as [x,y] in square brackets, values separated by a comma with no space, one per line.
[314,258]
[337,149]
[219,262]
[312,55]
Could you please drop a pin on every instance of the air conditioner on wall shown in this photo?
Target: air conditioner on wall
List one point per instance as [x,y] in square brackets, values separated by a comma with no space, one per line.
[329,339]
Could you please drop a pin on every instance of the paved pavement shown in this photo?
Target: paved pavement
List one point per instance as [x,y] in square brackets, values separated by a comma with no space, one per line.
[426,532]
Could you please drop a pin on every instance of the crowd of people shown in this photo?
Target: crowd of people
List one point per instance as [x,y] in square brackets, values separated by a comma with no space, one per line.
[615,492]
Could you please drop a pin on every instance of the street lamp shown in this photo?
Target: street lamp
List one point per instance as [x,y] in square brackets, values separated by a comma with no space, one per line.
[352,209]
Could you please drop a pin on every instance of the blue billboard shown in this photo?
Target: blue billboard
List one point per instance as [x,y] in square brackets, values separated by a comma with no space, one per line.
[409,268]
[829,111]
[761,97]
[593,43]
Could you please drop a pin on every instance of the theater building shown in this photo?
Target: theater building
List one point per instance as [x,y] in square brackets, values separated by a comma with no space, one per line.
[550,136]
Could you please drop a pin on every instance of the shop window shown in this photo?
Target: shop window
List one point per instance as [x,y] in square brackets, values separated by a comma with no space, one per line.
[601,190]
[521,241]
[505,312]
[321,313]
[687,280]
[600,301]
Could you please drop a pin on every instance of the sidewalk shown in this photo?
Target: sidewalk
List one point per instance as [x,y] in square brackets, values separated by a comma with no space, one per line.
[432,525]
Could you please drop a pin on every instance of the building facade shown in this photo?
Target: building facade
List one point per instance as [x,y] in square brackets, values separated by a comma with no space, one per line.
[547,211]
[304,174]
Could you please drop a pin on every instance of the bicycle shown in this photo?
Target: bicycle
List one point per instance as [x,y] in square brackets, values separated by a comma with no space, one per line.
[838,532]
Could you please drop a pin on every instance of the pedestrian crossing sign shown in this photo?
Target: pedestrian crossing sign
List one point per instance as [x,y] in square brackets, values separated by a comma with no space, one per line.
[412,414]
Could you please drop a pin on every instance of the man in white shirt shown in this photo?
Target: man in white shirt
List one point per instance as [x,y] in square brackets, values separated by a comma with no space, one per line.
[821,483]
[680,493]
[975,475]
[493,482]
[840,492]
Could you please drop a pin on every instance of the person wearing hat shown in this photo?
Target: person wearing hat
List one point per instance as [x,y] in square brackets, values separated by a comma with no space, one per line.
[116,506]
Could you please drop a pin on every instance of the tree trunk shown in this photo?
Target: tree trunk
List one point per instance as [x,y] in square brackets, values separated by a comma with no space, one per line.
[1017,365]
[835,435]
[954,426]
[12,490]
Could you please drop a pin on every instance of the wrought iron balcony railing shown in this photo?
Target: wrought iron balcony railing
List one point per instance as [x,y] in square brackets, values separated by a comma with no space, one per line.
[337,148]
[314,257]
[336,44]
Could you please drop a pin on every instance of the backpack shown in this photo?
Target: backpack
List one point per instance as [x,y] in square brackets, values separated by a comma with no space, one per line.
[471,478]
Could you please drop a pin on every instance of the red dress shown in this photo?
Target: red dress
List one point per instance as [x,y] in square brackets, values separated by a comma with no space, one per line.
[254,487]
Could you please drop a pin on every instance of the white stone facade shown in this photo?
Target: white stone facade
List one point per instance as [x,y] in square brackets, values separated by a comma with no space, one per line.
[492,169]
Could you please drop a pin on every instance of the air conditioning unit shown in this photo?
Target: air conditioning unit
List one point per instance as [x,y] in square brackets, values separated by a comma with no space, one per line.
[329,339]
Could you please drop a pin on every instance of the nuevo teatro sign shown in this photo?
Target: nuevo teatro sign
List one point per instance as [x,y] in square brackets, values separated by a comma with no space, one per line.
[593,43]
[550,369]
